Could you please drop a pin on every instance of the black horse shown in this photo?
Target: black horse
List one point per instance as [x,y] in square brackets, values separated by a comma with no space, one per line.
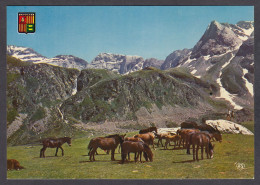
[54,143]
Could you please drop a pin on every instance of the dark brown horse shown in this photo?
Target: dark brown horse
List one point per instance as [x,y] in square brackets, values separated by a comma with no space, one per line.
[137,148]
[54,143]
[148,138]
[201,140]
[105,143]
[150,129]
[204,127]
[189,124]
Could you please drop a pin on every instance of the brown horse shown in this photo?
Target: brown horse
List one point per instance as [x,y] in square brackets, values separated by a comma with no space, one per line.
[54,143]
[201,140]
[150,129]
[174,138]
[137,148]
[107,151]
[160,137]
[148,138]
[13,164]
[184,133]
[105,143]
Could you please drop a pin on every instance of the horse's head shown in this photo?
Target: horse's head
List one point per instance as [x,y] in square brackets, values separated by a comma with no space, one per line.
[217,135]
[211,150]
[148,152]
[68,140]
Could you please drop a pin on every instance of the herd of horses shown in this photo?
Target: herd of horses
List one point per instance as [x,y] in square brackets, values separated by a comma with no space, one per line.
[190,134]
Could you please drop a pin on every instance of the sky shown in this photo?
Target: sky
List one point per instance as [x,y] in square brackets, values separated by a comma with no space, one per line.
[147,31]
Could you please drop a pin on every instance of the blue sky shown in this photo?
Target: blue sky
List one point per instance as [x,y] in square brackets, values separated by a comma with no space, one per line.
[147,31]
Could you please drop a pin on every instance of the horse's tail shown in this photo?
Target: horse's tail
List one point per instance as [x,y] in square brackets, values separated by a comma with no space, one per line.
[90,145]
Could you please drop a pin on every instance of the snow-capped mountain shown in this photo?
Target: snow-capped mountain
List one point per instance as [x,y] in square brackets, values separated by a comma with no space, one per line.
[29,55]
[122,64]
[224,55]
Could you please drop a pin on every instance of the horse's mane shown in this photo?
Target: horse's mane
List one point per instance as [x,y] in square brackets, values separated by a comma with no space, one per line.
[114,135]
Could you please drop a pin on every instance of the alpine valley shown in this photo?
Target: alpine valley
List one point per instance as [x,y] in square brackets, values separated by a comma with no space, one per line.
[66,95]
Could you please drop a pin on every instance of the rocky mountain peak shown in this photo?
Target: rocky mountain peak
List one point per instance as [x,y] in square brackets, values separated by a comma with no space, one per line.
[217,39]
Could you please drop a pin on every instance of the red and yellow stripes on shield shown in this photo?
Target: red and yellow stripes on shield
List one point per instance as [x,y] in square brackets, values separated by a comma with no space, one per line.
[28,19]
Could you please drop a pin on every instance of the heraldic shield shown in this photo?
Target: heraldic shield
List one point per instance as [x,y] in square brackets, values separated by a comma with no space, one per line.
[26,22]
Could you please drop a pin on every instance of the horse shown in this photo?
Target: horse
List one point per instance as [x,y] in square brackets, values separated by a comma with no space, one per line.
[201,140]
[150,129]
[184,133]
[148,138]
[214,131]
[174,138]
[189,124]
[204,127]
[54,143]
[105,143]
[13,164]
[160,137]
[107,151]
[137,148]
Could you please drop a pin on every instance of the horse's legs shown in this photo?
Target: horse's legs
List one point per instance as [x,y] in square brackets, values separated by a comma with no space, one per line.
[193,151]
[188,148]
[62,150]
[158,142]
[136,156]
[202,152]
[119,148]
[92,154]
[197,152]
[165,145]
[207,151]
[128,156]
[113,154]
[56,151]
[41,152]
[161,142]
[153,144]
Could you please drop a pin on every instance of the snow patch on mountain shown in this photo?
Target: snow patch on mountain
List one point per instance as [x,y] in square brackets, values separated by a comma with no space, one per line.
[223,92]
[249,86]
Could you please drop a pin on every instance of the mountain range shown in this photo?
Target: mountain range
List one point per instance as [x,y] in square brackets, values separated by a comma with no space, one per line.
[65,94]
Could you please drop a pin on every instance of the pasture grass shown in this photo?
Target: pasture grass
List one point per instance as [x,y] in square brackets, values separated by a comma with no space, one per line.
[233,158]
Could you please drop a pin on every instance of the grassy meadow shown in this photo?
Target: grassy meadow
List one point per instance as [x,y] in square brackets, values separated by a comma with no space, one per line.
[233,158]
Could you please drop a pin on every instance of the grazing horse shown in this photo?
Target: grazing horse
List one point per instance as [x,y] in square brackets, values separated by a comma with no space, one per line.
[184,133]
[148,138]
[150,129]
[201,140]
[137,148]
[13,164]
[174,138]
[105,143]
[54,143]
